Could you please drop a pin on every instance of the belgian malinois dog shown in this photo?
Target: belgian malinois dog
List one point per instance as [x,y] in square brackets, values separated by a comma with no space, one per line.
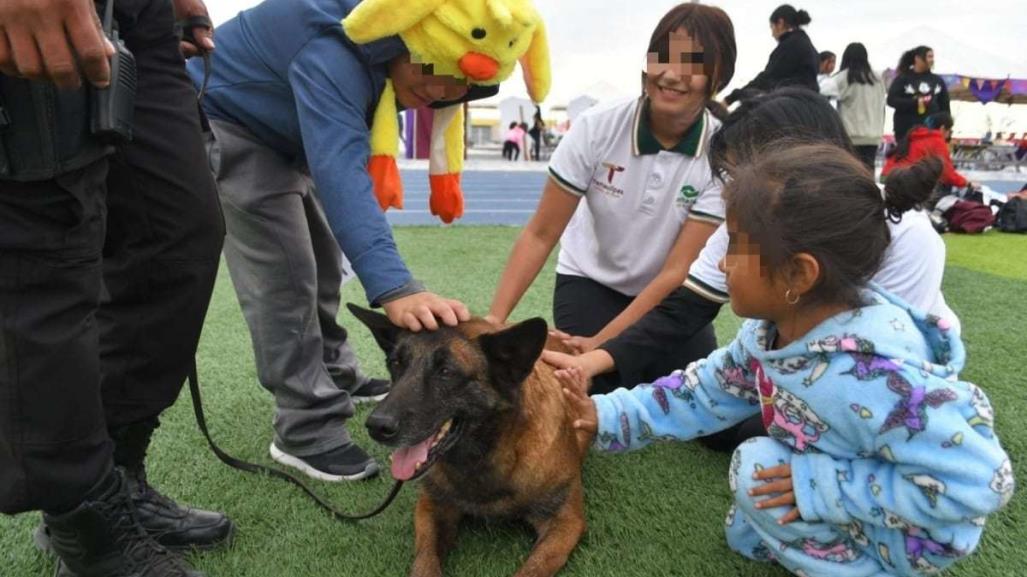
[485,425]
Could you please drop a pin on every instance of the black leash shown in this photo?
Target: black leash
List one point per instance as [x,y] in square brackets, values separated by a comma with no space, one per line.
[201,421]
[186,31]
[187,28]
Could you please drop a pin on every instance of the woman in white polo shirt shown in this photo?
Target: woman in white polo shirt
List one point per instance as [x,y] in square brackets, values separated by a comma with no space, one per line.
[912,269]
[650,201]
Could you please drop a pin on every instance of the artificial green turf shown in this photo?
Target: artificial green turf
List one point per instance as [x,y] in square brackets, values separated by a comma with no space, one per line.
[652,513]
[995,252]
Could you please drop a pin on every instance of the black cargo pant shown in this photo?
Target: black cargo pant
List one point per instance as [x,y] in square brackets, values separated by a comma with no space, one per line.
[105,277]
[582,306]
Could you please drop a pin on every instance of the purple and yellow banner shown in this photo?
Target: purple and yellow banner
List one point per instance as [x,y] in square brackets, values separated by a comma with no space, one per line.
[983,90]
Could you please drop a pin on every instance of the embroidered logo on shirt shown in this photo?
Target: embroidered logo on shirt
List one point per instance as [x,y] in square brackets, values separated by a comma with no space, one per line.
[608,188]
[613,169]
[687,196]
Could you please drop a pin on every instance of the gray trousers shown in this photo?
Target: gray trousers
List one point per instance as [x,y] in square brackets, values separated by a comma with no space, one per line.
[287,269]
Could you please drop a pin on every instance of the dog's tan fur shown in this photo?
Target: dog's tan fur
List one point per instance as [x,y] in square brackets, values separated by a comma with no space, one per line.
[538,457]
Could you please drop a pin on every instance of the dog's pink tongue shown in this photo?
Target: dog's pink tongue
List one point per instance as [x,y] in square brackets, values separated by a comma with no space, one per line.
[405,460]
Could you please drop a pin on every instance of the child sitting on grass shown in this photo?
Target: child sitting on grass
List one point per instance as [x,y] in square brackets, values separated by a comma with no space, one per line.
[879,461]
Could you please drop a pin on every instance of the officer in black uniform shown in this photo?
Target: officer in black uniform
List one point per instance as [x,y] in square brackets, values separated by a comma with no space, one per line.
[108,252]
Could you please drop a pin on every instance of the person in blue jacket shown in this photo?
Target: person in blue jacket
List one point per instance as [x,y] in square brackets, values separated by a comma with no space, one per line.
[879,460]
[290,100]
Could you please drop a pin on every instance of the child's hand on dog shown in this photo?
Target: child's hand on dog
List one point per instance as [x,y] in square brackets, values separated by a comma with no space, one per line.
[591,363]
[580,345]
[782,487]
[575,388]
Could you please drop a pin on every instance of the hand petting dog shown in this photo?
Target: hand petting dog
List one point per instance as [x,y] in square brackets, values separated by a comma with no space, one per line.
[592,363]
[423,311]
[579,345]
[575,390]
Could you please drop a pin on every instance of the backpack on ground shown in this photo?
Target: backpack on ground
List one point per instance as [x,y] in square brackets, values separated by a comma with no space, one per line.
[1012,217]
[969,217]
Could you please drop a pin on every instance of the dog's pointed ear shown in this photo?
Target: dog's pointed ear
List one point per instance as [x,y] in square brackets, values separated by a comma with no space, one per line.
[512,352]
[380,326]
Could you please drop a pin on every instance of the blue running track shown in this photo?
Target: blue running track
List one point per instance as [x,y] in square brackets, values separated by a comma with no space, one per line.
[505,197]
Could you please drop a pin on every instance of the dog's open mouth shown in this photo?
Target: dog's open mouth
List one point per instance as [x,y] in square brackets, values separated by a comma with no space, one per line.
[409,463]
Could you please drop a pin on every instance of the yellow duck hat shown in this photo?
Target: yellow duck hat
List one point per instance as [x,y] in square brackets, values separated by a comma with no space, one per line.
[477,40]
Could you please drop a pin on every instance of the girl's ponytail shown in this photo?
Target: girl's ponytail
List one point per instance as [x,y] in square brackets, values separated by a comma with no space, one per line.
[909,187]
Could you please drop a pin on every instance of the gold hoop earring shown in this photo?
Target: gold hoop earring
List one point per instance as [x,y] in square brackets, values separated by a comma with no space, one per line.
[790,300]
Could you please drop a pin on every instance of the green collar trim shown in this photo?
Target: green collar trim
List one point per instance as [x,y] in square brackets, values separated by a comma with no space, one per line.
[691,143]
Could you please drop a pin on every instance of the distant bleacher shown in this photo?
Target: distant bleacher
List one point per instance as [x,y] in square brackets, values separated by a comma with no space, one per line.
[974,154]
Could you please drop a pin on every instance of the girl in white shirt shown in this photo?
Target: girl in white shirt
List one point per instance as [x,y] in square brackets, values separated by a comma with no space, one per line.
[650,202]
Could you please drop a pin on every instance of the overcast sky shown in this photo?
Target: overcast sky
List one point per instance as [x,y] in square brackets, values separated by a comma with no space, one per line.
[604,41]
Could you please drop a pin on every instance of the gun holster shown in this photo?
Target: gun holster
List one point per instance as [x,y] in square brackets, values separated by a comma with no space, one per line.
[46,132]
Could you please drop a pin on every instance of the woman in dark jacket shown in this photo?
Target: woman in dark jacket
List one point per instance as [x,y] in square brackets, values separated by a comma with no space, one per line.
[795,62]
[916,92]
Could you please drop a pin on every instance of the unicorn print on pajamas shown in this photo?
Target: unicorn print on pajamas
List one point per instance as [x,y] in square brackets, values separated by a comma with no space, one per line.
[795,420]
[985,414]
[838,551]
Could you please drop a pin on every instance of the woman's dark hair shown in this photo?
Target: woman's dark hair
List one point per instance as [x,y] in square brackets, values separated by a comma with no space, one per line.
[826,55]
[794,113]
[790,15]
[936,121]
[855,60]
[709,26]
[513,125]
[817,198]
[909,57]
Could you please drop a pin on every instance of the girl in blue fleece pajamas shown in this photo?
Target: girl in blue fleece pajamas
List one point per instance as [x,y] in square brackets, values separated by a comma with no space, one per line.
[879,460]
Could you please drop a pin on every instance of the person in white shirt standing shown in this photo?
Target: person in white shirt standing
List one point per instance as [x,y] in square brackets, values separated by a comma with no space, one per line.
[861,94]
[650,202]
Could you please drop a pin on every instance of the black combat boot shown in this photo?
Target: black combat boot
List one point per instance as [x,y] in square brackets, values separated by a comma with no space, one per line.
[102,538]
[172,525]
